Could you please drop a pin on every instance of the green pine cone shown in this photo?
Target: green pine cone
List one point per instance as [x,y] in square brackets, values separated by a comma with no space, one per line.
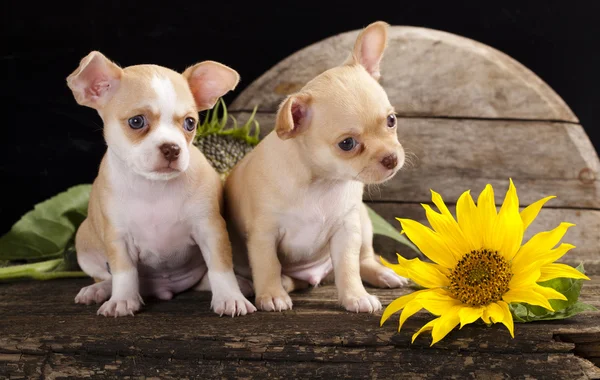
[223,151]
[225,146]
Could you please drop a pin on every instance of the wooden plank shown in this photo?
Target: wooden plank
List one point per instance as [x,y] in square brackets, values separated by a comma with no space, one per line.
[425,72]
[585,235]
[451,156]
[44,334]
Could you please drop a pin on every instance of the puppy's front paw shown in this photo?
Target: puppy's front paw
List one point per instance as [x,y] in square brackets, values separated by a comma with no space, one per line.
[235,304]
[120,308]
[274,301]
[361,304]
[387,278]
[96,293]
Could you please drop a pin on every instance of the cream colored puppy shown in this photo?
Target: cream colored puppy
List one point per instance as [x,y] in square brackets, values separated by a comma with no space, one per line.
[296,199]
[154,226]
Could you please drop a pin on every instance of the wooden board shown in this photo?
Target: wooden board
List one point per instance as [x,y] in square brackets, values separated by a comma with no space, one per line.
[426,73]
[451,156]
[43,334]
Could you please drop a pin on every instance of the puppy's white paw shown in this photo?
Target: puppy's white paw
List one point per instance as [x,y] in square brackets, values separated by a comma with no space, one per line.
[245,286]
[96,293]
[274,301]
[234,304]
[361,304]
[387,278]
[120,308]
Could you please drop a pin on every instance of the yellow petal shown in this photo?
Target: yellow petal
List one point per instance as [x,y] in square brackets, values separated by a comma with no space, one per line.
[427,327]
[409,310]
[424,274]
[438,303]
[466,214]
[524,279]
[551,271]
[447,322]
[494,312]
[398,304]
[508,319]
[507,232]
[530,212]
[539,245]
[486,209]
[469,315]
[448,231]
[543,259]
[527,295]
[549,293]
[429,243]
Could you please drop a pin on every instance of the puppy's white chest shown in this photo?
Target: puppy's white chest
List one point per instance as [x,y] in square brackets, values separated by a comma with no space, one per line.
[308,226]
[155,229]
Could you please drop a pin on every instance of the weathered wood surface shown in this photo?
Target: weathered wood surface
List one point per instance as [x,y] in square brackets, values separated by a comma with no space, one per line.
[426,73]
[43,334]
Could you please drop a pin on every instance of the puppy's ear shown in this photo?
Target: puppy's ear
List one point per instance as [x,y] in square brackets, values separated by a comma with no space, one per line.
[369,47]
[95,80]
[209,81]
[293,116]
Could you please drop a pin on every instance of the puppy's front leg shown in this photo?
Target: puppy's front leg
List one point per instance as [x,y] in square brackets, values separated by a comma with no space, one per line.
[345,253]
[211,235]
[266,272]
[125,298]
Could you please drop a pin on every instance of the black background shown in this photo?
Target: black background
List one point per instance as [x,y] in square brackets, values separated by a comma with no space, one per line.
[50,143]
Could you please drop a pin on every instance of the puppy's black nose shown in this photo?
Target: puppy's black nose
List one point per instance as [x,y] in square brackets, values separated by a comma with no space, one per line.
[390,161]
[170,151]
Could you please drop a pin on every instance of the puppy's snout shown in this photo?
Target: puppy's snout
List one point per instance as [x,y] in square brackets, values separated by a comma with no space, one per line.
[390,161]
[170,151]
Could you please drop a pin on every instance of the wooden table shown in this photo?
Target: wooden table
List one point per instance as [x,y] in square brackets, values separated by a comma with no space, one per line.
[44,334]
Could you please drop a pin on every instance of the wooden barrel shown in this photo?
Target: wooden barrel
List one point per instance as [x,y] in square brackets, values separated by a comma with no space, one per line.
[468,115]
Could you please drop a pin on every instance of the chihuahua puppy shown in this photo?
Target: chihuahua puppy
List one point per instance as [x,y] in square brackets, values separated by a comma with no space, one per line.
[154,224]
[295,201]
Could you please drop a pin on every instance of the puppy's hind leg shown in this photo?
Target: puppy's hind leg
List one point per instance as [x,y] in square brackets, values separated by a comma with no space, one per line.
[93,261]
[371,270]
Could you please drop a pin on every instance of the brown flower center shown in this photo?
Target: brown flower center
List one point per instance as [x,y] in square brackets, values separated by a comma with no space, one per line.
[480,278]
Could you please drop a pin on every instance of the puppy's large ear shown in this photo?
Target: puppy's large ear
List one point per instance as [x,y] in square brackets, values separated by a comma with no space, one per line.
[209,81]
[293,116]
[95,80]
[369,47]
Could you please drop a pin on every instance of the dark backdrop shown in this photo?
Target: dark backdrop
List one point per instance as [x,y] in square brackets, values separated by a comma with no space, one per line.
[50,143]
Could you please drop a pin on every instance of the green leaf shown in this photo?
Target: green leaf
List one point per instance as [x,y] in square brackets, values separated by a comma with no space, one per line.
[46,231]
[569,287]
[382,227]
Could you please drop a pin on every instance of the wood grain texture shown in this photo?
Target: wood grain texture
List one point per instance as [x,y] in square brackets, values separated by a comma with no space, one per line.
[43,334]
[585,235]
[451,156]
[425,72]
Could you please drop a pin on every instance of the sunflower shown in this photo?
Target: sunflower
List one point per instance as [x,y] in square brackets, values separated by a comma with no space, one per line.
[480,265]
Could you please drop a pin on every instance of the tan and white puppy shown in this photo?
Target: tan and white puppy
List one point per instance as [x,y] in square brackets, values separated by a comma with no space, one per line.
[154,225]
[296,199]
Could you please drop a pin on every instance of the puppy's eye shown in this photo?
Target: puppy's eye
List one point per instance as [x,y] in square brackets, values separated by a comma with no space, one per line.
[391,120]
[137,122]
[347,144]
[189,124]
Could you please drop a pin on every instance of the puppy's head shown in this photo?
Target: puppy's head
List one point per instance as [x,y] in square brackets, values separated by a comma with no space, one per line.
[343,120]
[149,112]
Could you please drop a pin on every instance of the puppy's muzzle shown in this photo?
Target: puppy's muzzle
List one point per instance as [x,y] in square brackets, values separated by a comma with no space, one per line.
[390,161]
[170,151]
